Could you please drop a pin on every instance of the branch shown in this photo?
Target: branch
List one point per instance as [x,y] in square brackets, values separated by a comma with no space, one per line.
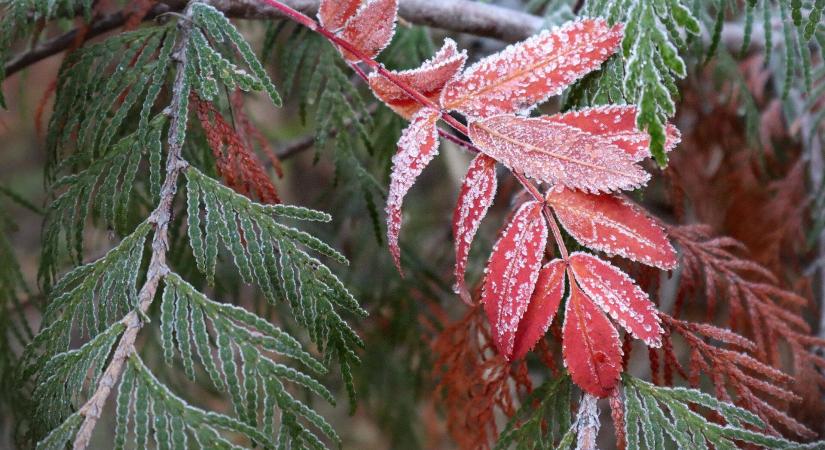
[454,15]
[160,218]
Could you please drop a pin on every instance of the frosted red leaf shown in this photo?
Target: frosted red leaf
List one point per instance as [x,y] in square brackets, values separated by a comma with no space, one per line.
[511,273]
[542,308]
[614,225]
[618,296]
[416,148]
[529,72]
[590,345]
[474,198]
[556,153]
[371,28]
[428,79]
[333,14]
[616,124]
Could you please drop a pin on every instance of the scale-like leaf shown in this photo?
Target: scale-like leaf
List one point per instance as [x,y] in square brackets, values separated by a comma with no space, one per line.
[371,28]
[619,296]
[428,79]
[591,347]
[474,198]
[616,124]
[416,148]
[333,14]
[543,306]
[557,154]
[512,272]
[613,225]
[525,74]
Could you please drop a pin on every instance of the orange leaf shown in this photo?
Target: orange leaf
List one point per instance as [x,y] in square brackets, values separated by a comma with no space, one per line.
[476,195]
[616,124]
[416,148]
[529,72]
[333,14]
[371,28]
[428,79]
[511,273]
[556,153]
[619,296]
[613,225]
[542,308]
[590,345]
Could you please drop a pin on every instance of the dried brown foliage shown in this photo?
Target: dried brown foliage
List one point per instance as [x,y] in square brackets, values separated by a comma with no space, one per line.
[237,164]
[475,384]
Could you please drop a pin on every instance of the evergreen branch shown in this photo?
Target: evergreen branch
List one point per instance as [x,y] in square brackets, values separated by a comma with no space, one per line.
[160,218]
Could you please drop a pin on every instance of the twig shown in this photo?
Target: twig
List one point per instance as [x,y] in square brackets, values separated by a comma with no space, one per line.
[160,219]
[587,423]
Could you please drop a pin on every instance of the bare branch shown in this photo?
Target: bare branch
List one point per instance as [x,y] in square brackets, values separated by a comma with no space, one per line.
[454,15]
[160,218]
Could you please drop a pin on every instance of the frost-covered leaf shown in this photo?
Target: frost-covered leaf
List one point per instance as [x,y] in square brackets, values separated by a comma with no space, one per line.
[511,273]
[543,306]
[333,14]
[590,346]
[416,148]
[616,124]
[474,198]
[371,29]
[557,154]
[619,296]
[613,225]
[428,79]
[528,73]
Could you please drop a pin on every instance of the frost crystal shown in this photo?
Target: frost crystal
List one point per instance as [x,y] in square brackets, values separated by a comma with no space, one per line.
[590,345]
[616,124]
[476,195]
[614,225]
[512,272]
[525,74]
[416,148]
[557,154]
[542,307]
[371,28]
[428,79]
[619,296]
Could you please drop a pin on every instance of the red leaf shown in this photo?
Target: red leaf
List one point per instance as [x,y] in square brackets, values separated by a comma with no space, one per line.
[529,72]
[512,272]
[542,308]
[616,124]
[613,225]
[476,195]
[590,345]
[416,148]
[556,153]
[428,79]
[371,28]
[618,295]
[333,14]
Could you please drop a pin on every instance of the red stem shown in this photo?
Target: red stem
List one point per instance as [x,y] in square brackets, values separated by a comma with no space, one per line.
[421,99]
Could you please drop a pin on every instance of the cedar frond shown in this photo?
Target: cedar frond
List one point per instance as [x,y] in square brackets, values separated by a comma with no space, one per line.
[757,308]
[544,419]
[660,415]
[270,254]
[474,381]
[236,163]
[737,376]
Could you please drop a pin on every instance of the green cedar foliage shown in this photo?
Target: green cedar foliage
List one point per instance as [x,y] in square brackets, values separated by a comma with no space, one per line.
[544,419]
[105,146]
[659,415]
[660,34]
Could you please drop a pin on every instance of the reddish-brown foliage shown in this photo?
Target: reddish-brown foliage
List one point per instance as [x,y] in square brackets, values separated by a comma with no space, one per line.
[235,162]
[714,271]
[474,382]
